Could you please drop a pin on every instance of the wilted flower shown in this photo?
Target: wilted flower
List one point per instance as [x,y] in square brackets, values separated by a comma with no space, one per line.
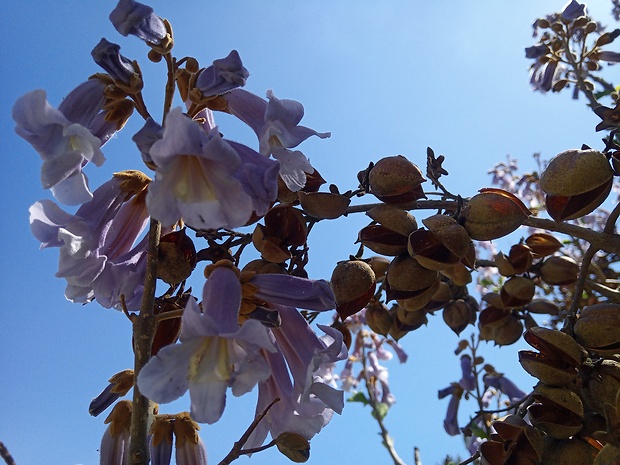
[125,72]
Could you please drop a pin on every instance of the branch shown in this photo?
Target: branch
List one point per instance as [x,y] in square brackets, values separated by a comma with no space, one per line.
[4,453]
[143,331]
[237,450]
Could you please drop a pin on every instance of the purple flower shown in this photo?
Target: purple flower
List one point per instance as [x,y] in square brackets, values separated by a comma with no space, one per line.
[150,133]
[293,291]
[64,146]
[198,178]
[611,57]
[276,123]
[222,76]
[115,442]
[122,70]
[450,423]
[300,378]
[215,352]
[97,256]
[543,75]
[503,384]
[190,450]
[468,382]
[131,17]
[573,10]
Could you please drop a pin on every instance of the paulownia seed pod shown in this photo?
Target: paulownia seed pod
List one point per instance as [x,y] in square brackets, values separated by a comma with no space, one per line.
[493,213]
[598,328]
[353,283]
[576,182]
[396,180]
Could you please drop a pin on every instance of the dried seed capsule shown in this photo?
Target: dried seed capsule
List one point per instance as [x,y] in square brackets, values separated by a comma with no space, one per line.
[353,283]
[397,181]
[493,213]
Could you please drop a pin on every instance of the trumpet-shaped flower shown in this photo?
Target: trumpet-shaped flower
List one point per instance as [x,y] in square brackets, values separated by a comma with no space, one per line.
[97,256]
[300,379]
[215,352]
[276,123]
[200,178]
[65,147]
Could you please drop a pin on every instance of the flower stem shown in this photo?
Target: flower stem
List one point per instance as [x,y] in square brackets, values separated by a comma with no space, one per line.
[143,331]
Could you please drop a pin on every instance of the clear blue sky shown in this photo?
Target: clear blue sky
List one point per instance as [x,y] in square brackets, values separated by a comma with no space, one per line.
[385,78]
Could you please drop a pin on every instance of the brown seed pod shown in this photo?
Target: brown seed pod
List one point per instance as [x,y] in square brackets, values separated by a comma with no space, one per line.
[598,328]
[517,291]
[394,218]
[559,270]
[493,213]
[557,359]
[558,411]
[323,205]
[396,181]
[353,283]
[406,278]
[543,244]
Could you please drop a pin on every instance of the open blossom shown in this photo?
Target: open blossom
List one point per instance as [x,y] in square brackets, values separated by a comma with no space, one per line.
[276,123]
[300,378]
[215,353]
[201,178]
[64,146]
[98,258]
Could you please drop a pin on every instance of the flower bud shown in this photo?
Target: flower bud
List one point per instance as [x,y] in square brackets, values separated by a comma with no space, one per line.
[353,283]
[396,181]
[493,213]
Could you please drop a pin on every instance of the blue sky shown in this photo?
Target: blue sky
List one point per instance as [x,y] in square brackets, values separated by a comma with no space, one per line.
[385,78]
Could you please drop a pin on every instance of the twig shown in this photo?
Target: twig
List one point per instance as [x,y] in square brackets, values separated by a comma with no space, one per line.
[416,456]
[470,459]
[4,453]
[237,449]
[143,331]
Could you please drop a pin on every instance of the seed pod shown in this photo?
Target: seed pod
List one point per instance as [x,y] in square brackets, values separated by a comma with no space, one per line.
[493,213]
[383,240]
[558,358]
[379,265]
[559,270]
[598,328]
[517,291]
[406,278]
[353,283]
[176,257]
[574,451]
[576,182]
[394,218]
[378,319]
[602,385]
[543,244]
[323,205]
[543,307]
[459,313]
[559,411]
[515,442]
[396,181]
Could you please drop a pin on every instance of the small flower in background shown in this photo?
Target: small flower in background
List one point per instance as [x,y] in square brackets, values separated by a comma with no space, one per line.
[573,10]
[196,178]
[503,384]
[114,448]
[64,146]
[215,352]
[451,423]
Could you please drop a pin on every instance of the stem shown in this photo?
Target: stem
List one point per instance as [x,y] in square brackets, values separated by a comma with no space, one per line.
[237,450]
[143,331]
[169,84]
[4,453]
[387,440]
